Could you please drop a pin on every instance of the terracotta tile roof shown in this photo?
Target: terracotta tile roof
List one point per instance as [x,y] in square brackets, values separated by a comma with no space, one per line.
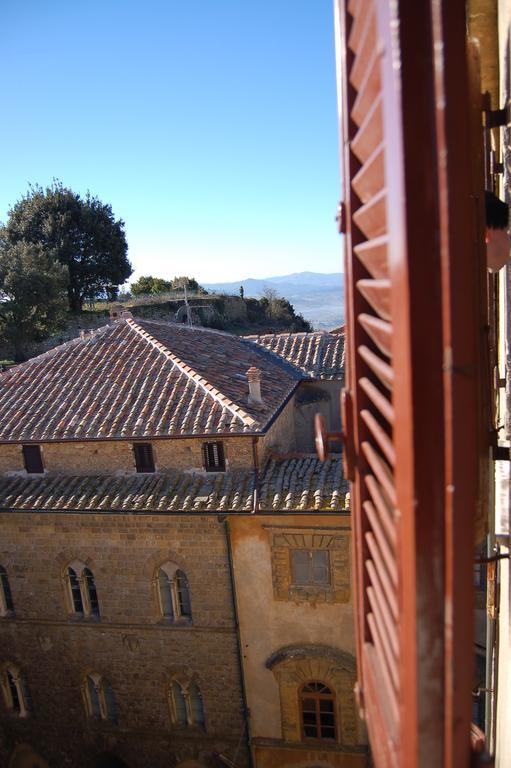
[141,379]
[290,484]
[318,355]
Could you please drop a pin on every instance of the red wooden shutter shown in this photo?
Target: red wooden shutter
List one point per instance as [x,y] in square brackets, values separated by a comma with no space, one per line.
[410,403]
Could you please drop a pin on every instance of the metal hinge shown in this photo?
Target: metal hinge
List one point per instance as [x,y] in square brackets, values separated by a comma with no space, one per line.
[497,118]
[341,217]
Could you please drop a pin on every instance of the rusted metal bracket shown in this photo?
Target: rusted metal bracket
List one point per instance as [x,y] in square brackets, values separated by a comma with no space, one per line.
[500,453]
[497,118]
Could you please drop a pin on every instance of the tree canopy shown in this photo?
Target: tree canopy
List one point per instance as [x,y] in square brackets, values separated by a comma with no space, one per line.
[81,234]
[155,285]
[32,295]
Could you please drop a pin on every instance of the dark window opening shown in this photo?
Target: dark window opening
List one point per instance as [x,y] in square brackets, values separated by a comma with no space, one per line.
[317,703]
[6,590]
[76,593]
[33,459]
[92,592]
[13,688]
[183,594]
[144,459]
[310,567]
[214,457]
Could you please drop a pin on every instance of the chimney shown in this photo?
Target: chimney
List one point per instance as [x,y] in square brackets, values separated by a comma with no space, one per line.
[254,376]
[115,311]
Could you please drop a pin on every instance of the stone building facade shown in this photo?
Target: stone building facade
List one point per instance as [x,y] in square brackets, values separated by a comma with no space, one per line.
[171,555]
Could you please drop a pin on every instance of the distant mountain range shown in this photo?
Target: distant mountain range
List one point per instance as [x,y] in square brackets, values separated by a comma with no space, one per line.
[319,297]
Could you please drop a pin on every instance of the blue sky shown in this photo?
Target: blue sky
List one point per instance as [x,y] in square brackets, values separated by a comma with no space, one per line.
[209,126]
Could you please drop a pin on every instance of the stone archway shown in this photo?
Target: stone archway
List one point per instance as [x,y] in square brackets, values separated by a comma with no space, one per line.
[108,760]
[25,757]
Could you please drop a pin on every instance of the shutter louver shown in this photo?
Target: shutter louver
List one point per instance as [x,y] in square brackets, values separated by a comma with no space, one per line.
[399,444]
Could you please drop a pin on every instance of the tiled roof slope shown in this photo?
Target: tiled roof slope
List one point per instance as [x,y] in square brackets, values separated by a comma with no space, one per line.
[319,355]
[292,484]
[140,379]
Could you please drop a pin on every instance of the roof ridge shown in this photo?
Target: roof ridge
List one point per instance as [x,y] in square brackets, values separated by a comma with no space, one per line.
[193,375]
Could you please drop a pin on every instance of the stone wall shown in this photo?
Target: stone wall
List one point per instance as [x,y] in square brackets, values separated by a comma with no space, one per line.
[103,456]
[128,645]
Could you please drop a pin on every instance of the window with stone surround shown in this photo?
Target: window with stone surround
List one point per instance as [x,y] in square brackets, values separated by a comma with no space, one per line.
[185,703]
[173,593]
[316,689]
[310,565]
[15,690]
[6,601]
[99,699]
[81,593]
[317,705]
[214,456]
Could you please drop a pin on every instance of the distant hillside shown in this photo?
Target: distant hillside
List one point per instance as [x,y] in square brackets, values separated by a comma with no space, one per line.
[317,296]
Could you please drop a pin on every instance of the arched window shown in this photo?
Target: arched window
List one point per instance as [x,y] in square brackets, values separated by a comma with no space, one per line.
[317,706]
[82,596]
[15,690]
[99,697]
[6,602]
[187,708]
[196,705]
[173,593]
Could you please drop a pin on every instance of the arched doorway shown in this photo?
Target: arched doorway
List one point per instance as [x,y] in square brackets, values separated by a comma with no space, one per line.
[25,757]
[108,760]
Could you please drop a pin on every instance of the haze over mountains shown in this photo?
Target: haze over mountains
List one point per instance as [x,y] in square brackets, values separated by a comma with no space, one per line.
[319,297]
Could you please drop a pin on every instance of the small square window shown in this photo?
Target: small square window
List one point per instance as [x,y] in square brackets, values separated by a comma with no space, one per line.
[214,457]
[144,458]
[310,567]
[33,459]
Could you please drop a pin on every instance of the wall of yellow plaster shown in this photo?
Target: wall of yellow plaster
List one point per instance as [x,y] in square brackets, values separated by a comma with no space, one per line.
[266,625]
[281,435]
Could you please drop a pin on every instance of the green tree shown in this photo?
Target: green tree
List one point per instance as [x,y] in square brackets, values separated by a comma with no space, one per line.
[190,283]
[150,284]
[81,234]
[32,295]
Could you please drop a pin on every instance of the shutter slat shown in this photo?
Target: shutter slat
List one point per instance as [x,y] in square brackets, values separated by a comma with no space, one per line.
[383,544]
[379,367]
[384,616]
[379,401]
[381,581]
[371,178]
[369,89]
[370,134]
[373,255]
[389,688]
[380,332]
[386,577]
[381,470]
[365,47]
[358,31]
[383,639]
[377,293]
[383,506]
[370,218]
[379,434]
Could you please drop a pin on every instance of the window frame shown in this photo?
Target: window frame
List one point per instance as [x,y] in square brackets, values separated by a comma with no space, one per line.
[90,605]
[310,582]
[144,464]
[317,698]
[6,599]
[35,459]
[208,449]
[187,690]
[11,678]
[101,711]
[175,578]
